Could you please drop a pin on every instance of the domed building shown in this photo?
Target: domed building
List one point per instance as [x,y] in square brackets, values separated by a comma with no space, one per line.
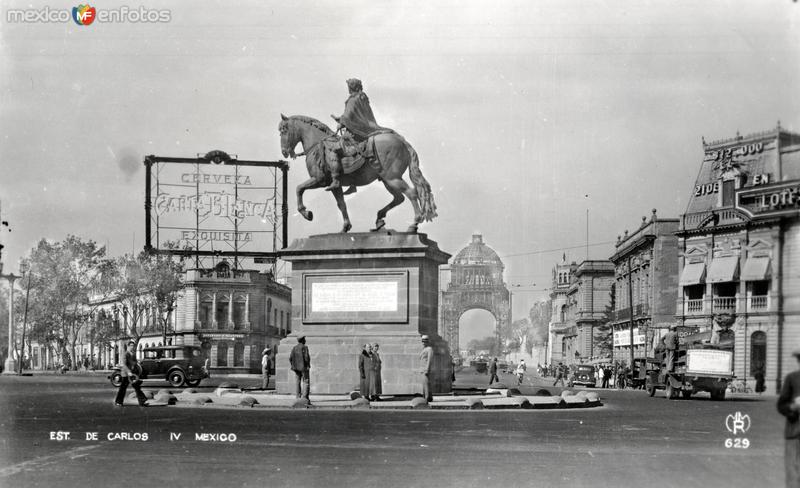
[476,282]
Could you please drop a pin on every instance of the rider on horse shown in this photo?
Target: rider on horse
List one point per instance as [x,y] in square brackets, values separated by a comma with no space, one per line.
[357,123]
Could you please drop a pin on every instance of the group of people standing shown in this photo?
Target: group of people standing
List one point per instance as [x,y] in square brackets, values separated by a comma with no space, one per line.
[369,369]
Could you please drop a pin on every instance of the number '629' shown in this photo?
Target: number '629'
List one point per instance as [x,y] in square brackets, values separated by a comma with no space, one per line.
[737,443]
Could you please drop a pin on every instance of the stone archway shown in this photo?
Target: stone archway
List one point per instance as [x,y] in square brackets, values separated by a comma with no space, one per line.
[476,282]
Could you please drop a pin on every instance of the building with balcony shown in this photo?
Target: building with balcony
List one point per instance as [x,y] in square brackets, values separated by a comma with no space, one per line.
[645,285]
[558,326]
[580,295]
[739,249]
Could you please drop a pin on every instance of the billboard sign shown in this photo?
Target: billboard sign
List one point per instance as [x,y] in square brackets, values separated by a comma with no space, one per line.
[216,205]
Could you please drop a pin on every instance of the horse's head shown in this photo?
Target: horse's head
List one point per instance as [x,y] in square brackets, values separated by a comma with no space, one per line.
[289,137]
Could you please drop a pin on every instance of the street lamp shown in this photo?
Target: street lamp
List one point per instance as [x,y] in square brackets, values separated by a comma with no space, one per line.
[10,366]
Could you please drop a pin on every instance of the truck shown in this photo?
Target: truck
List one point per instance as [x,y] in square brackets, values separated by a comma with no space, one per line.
[705,367]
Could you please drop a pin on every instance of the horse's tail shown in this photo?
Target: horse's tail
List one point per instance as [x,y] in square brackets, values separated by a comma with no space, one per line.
[427,206]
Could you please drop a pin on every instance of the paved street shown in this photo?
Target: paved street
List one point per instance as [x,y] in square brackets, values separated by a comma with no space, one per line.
[633,440]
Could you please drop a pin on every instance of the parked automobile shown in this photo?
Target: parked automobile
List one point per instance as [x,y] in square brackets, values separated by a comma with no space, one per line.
[178,365]
[582,374]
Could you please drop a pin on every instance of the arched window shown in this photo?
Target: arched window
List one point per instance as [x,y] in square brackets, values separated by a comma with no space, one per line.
[758,352]
[238,354]
[269,309]
[222,354]
[563,314]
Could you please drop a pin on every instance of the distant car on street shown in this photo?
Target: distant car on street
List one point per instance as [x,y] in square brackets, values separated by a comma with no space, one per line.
[179,365]
[582,374]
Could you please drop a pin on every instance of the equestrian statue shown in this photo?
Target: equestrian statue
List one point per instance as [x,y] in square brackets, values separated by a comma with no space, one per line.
[356,154]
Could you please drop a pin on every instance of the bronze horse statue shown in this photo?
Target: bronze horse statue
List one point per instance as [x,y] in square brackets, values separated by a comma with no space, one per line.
[392,156]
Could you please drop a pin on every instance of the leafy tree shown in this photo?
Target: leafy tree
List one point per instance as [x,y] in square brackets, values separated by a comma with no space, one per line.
[145,284]
[539,316]
[603,333]
[488,343]
[62,276]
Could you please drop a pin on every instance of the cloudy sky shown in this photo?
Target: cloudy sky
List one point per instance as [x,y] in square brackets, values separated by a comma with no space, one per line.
[525,114]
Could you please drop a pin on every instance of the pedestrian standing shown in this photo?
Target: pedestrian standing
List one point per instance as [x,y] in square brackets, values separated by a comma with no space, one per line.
[266,367]
[375,386]
[606,375]
[426,368]
[600,376]
[364,367]
[493,372]
[128,369]
[300,362]
[789,407]
[671,347]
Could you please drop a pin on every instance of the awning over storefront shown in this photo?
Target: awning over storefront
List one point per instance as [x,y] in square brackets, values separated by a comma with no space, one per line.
[723,269]
[756,269]
[693,274]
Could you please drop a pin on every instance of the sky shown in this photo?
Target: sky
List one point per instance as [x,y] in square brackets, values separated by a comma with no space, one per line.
[528,117]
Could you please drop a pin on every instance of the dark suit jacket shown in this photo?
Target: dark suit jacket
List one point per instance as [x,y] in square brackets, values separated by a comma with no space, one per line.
[790,391]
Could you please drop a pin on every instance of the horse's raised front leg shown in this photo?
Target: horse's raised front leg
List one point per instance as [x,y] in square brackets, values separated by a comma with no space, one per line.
[301,188]
[338,194]
[401,186]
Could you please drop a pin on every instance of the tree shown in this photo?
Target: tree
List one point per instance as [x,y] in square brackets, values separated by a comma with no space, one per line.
[488,343]
[539,315]
[62,278]
[144,285]
[603,333]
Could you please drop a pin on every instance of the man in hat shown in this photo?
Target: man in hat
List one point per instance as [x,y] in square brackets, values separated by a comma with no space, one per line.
[426,365]
[266,367]
[128,369]
[300,362]
[789,407]
[671,347]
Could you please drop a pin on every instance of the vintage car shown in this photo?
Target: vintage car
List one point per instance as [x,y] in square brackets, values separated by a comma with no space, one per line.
[582,374]
[179,365]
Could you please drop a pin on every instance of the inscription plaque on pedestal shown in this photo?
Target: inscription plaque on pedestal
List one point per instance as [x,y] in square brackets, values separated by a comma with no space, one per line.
[355,297]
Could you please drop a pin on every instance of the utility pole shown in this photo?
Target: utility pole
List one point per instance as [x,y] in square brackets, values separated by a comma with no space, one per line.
[630,303]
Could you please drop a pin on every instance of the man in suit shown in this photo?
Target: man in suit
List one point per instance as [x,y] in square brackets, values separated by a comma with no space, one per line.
[426,366]
[789,407]
[300,362]
[493,372]
[128,369]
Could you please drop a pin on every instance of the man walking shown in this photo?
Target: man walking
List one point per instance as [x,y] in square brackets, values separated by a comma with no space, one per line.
[426,364]
[521,368]
[789,407]
[559,372]
[128,369]
[493,372]
[266,366]
[300,362]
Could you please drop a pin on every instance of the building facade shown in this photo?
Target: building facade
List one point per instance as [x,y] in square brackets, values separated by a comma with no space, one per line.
[739,252]
[645,286]
[558,327]
[587,300]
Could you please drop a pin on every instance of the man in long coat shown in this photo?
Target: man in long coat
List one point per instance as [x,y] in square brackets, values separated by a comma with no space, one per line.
[426,367]
[128,369]
[375,386]
[364,368]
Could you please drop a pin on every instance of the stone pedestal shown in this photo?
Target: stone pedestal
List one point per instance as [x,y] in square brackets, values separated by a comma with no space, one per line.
[350,289]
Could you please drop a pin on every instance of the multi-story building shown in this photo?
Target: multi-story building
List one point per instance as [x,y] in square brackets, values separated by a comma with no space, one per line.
[562,278]
[588,298]
[739,245]
[645,286]
[232,314]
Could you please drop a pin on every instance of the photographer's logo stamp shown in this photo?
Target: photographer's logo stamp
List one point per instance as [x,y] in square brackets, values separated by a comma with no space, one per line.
[737,423]
[84,14]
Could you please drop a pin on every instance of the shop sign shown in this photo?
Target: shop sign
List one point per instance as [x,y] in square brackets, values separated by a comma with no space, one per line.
[770,200]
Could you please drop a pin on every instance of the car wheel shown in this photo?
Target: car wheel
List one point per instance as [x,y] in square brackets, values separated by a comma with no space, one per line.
[687,394]
[718,394]
[176,378]
[116,379]
[193,383]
